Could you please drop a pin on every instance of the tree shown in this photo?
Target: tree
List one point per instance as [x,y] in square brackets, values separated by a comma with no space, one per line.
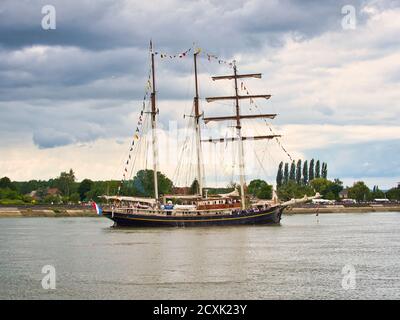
[279,175]
[293,190]
[84,188]
[194,188]
[311,171]
[286,173]
[317,170]
[265,192]
[328,189]
[292,174]
[377,193]
[393,194]
[305,172]
[298,172]
[53,199]
[337,187]
[260,189]
[324,171]
[75,197]
[41,193]
[143,183]
[7,193]
[65,182]
[5,182]
[25,187]
[359,191]
[95,192]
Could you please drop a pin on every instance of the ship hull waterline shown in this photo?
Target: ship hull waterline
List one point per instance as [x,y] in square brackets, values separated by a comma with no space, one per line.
[270,216]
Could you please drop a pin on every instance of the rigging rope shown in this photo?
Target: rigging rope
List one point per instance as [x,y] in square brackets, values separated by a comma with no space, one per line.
[140,139]
[252,102]
[138,131]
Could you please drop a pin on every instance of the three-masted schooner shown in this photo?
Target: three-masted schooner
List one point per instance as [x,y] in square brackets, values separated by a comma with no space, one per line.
[199,209]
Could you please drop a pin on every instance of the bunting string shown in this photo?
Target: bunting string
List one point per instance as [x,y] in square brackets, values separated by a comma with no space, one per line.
[210,57]
[138,131]
[254,104]
[173,56]
[148,87]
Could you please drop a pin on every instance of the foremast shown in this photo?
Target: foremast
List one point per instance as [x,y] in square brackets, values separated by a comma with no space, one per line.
[154,125]
[197,116]
[237,117]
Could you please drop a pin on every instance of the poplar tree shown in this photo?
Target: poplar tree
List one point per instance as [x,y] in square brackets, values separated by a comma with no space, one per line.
[317,170]
[305,172]
[324,171]
[311,170]
[279,175]
[298,172]
[292,175]
[286,174]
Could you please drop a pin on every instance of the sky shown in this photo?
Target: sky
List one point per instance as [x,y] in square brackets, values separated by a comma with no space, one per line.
[70,97]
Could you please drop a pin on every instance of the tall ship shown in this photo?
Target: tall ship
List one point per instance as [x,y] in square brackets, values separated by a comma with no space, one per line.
[199,209]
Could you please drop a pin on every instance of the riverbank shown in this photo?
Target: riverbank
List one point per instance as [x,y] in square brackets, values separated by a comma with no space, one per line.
[46,212]
[49,211]
[342,209]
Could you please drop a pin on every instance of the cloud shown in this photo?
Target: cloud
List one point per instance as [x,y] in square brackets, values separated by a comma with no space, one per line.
[131,23]
[70,88]
[363,161]
[49,138]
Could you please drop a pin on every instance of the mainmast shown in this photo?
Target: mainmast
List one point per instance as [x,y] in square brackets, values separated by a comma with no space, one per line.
[154,124]
[197,116]
[239,136]
[238,117]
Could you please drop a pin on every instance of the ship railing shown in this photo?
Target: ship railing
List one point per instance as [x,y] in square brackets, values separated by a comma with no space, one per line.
[135,210]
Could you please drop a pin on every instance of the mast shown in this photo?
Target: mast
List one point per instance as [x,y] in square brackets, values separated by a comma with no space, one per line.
[238,116]
[197,116]
[240,141]
[154,125]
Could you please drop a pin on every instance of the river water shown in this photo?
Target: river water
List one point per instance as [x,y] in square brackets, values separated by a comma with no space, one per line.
[303,258]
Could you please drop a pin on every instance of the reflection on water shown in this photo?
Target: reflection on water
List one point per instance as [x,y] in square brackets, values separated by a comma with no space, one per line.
[302,258]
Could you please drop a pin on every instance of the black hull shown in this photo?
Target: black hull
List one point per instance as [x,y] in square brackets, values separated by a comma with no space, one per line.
[270,216]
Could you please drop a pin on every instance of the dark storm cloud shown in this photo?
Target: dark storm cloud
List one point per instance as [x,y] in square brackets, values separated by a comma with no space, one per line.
[65,66]
[233,25]
[72,73]
[76,83]
[107,40]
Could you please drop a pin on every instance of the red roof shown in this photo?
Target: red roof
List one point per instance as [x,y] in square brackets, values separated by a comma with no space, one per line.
[53,191]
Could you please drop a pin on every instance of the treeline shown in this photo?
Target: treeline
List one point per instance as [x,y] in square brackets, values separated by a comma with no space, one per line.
[296,179]
[300,173]
[360,192]
[64,189]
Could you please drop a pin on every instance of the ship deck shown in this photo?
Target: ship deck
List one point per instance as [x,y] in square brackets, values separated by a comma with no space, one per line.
[182,213]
